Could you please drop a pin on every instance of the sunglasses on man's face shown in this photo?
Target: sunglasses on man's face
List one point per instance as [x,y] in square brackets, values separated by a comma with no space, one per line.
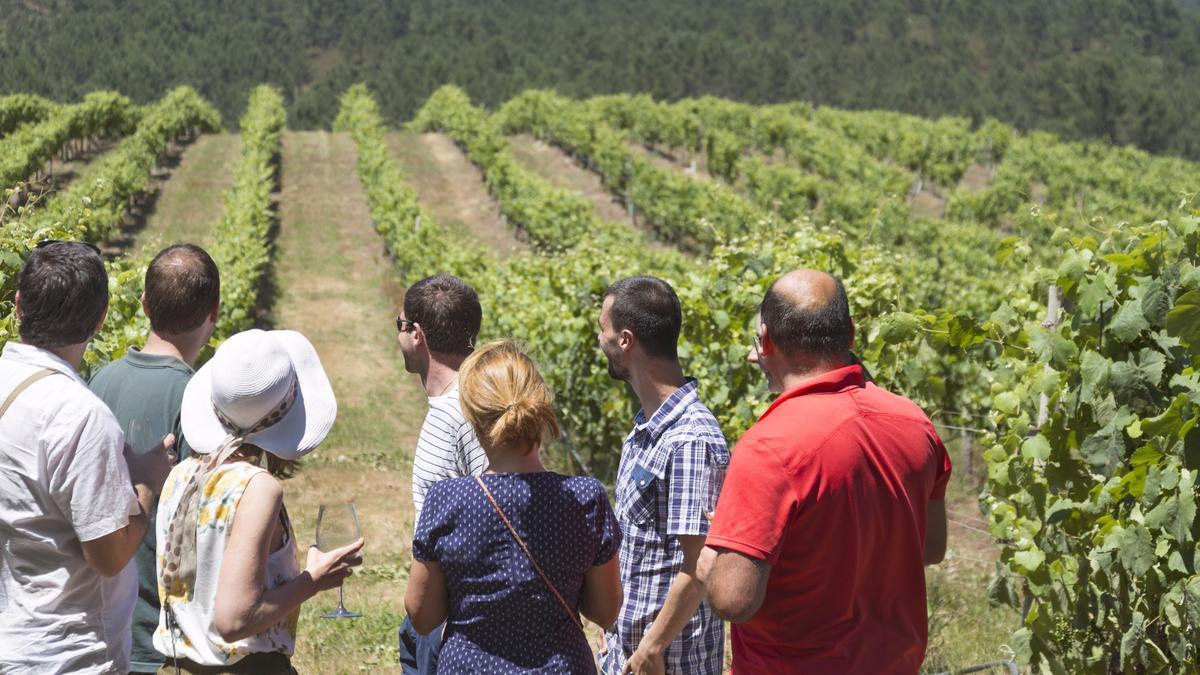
[51,242]
[405,325]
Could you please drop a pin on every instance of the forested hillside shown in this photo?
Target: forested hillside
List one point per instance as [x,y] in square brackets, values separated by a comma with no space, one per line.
[1121,70]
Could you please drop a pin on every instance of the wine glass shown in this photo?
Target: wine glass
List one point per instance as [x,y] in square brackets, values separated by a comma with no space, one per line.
[714,478]
[337,526]
[139,437]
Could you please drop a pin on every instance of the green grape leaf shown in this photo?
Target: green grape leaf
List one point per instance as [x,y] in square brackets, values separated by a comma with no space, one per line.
[1156,303]
[1036,448]
[1007,402]
[898,327]
[1053,348]
[1093,369]
[1104,450]
[1136,550]
[1183,321]
[1092,292]
[1029,561]
[1128,322]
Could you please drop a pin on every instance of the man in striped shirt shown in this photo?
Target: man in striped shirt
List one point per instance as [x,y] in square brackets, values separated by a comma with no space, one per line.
[665,625]
[437,330]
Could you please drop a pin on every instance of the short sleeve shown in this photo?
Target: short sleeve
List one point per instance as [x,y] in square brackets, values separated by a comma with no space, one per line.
[685,503]
[942,458]
[471,457]
[756,505]
[88,475]
[602,523]
[432,524]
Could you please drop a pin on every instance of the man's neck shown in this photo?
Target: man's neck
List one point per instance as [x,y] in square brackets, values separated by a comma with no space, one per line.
[442,374]
[72,354]
[183,347]
[803,372]
[653,382]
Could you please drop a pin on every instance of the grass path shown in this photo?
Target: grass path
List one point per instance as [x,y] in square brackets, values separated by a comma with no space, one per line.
[451,189]
[557,167]
[336,286]
[192,201]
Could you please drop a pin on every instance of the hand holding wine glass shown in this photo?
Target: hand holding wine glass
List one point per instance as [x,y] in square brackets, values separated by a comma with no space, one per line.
[340,543]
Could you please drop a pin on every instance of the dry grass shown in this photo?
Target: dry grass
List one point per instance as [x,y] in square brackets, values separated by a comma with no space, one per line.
[451,189]
[193,200]
[337,287]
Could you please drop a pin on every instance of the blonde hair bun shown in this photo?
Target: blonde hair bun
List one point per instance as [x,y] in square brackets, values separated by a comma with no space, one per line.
[504,397]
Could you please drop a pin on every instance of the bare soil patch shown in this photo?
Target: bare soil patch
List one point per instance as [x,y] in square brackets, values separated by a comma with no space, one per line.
[977,178]
[557,167]
[451,189]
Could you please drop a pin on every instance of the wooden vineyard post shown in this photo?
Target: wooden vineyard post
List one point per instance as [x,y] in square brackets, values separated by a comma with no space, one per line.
[967,448]
[629,191]
[1051,322]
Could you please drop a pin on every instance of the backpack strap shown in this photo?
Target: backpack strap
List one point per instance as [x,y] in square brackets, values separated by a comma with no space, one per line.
[41,374]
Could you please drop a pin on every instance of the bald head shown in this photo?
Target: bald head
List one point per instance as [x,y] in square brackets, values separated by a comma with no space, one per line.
[183,286]
[807,314]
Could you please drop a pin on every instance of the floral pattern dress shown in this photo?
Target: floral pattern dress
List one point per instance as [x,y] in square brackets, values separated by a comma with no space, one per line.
[193,635]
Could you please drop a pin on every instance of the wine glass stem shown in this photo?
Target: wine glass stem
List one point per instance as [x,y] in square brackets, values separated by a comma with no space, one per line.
[340,606]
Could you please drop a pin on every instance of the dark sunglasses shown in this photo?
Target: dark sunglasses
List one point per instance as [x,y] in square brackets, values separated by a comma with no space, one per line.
[49,242]
[401,322]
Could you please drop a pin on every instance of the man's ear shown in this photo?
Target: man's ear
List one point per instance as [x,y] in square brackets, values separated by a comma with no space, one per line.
[102,318]
[626,339]
[17,305]
[852,335]
[418,334]
[766,344]
[215,314]
[142,300]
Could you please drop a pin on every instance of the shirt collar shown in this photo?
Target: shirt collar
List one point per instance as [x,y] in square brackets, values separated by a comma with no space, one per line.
[137,357]
[825,383]
[41,358]
[668,412]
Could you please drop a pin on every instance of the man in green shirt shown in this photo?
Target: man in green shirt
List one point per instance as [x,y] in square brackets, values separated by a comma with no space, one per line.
[144,390]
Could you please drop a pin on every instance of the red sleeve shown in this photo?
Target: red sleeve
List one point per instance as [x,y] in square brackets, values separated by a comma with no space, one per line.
[942,457]
[756,505]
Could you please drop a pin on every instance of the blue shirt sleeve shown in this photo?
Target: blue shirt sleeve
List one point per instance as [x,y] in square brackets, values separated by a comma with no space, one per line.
[603,524]
[434,523]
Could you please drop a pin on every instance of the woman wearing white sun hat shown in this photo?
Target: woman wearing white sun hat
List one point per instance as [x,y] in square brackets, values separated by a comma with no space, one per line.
[230,586]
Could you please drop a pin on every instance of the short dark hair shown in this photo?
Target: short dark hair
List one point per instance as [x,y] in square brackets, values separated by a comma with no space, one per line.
[182,287]
[448,310]
[64,293]
[821,331]
[649,308]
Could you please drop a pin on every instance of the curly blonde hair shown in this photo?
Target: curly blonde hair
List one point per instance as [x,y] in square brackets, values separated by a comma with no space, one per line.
[504,397]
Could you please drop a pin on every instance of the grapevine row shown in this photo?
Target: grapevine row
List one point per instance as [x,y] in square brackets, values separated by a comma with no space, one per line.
[19,109]
[28,150]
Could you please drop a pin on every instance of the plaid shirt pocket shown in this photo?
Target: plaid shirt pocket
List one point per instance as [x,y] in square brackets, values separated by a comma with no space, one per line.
[639,501]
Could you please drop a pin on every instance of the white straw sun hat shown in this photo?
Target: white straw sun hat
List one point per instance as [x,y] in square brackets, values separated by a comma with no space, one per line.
[267,387]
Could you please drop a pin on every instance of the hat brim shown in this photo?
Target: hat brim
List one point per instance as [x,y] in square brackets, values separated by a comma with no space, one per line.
[300,431]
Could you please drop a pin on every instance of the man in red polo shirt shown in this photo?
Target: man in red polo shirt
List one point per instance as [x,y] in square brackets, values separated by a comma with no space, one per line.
[832,505]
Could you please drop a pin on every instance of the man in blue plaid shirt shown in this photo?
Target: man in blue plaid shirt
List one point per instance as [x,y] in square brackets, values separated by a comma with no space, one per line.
[665,625]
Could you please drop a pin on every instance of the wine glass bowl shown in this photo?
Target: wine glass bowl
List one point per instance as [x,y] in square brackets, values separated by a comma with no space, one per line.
[337,526]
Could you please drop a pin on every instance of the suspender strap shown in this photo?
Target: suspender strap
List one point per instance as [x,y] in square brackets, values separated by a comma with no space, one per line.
[43,373]
[537,568]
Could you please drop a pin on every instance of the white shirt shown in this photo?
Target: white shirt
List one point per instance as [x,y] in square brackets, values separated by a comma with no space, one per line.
[63,480]
[446,448]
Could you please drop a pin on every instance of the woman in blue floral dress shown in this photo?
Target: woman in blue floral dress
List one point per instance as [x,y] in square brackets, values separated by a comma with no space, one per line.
[510,559]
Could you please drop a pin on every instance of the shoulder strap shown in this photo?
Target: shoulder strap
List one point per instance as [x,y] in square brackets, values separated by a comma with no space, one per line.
[537,568]
[43,373]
